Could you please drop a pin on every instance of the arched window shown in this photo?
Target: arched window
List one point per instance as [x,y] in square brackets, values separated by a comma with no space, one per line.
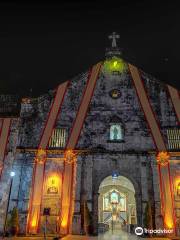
[116,132]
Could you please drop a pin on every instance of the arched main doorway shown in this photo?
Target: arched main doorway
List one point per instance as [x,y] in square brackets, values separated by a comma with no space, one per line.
[117,203]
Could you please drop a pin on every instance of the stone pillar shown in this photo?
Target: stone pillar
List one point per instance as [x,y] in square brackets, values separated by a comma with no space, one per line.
[100,208]
[88,182]
[95,213]
[139,209]
[144,183]
[144,187]
[76,220]
[86,187]
[157,199]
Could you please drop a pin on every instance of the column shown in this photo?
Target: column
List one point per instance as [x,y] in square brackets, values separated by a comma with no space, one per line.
[76,220]
[95,212]
[157,199]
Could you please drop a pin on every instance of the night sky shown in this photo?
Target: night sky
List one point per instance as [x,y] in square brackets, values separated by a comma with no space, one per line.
[43,44]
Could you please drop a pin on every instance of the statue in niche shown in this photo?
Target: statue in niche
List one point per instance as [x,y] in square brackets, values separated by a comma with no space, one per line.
[52,188]
[115,133]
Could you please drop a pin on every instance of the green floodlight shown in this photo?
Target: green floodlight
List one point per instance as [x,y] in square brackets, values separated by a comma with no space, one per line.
[114,64]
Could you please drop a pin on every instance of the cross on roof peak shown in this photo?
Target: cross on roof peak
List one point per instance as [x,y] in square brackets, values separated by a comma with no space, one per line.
[114,36]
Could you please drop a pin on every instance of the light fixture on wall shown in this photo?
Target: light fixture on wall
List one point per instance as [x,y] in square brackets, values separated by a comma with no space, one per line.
[12,174]
[115,175]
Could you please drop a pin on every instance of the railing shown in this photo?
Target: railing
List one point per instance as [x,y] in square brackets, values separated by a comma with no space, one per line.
[108,218]
[103,227]
[120,217]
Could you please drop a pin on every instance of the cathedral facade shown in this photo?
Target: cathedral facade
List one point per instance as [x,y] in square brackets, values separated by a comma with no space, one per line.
[101,148]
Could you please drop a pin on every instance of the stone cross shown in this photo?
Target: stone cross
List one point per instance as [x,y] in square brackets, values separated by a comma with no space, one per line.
[114,37]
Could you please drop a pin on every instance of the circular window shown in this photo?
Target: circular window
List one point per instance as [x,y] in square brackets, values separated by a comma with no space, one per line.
[115,93]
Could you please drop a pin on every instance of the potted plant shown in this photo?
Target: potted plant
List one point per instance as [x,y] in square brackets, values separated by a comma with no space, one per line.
[13,222]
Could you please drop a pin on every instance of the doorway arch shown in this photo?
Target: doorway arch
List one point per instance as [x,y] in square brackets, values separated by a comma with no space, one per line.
[117,203]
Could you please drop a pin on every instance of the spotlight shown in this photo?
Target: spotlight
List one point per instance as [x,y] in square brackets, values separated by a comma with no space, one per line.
[12,174]
[114,176]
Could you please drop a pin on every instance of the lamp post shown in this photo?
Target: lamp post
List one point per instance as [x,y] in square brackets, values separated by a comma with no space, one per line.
[12,174]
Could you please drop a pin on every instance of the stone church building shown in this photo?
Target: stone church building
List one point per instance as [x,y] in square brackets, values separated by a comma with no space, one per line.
[99,149]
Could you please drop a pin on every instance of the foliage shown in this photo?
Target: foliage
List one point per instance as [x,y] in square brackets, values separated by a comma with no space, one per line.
[13,222]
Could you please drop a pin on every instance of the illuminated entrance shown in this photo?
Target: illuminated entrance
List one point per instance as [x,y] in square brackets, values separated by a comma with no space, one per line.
[117,204]
[51,199]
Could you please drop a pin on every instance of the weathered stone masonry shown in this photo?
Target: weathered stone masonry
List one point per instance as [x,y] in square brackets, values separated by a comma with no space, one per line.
[134,157]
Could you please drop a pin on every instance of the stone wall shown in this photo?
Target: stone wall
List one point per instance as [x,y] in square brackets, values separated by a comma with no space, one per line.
[129,157]
[6,180]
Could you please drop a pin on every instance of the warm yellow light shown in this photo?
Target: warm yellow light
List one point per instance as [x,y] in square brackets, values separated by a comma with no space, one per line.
[168,221]
[41,151]
[163,158]
[53,180]
[115,63]
[178,189]
[53,184]
[41,155]
[169,224]
[64,223]
[70,156]
[34,222]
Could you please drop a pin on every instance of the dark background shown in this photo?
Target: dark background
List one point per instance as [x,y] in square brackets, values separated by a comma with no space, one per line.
[43,44]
